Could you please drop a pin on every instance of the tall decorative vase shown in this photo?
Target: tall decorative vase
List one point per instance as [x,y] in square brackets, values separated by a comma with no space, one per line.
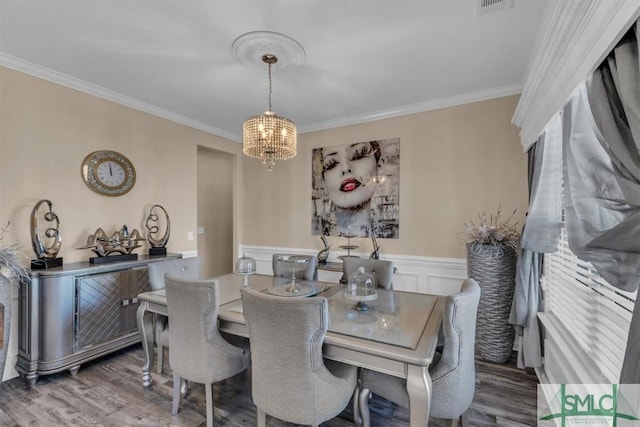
[5,313]
[494,268]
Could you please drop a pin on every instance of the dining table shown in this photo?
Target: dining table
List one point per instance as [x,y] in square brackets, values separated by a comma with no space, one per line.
[396,334]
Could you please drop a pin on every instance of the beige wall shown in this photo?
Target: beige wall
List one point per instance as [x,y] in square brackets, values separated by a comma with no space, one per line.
[46,130]
[454,162]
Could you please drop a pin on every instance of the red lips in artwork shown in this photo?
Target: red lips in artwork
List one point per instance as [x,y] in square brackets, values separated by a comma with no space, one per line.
[349,185]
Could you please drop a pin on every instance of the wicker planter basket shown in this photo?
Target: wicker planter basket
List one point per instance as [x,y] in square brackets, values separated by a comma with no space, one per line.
[494,268]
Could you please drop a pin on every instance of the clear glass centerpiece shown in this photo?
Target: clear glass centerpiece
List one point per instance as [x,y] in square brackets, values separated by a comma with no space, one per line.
[361,288]
[245,266]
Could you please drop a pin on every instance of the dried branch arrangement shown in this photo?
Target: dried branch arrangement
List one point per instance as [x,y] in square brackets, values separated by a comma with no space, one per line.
[493,230]
[11,258]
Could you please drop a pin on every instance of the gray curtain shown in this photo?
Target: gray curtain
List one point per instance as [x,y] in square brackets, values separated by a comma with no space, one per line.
[540,235]
[542,228]
[527,301]
[602,178]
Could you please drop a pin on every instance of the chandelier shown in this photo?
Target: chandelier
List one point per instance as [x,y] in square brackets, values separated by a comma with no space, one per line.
[269,137]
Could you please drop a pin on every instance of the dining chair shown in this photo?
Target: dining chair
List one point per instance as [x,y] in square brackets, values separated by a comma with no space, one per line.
[381,270]
[186,268]
[452,373]
[280,269]
[290,378]
[198,352]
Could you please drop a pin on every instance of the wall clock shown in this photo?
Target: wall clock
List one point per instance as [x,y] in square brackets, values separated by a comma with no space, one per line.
[108,173]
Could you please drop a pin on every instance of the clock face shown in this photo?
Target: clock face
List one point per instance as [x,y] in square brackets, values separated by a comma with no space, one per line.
[108,173]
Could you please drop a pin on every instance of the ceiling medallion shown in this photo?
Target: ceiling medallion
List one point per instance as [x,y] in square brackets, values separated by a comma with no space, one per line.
[249,48]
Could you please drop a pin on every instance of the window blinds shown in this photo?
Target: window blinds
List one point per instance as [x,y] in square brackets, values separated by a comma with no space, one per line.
[590,310]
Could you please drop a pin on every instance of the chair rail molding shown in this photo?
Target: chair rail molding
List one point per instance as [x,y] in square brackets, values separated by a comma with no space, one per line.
[432,275]
[573,39]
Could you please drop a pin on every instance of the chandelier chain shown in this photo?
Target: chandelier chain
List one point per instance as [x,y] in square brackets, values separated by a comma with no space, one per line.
[269,87]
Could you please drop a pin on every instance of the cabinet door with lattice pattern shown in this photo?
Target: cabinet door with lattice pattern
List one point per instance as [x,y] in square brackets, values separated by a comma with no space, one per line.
[98,306]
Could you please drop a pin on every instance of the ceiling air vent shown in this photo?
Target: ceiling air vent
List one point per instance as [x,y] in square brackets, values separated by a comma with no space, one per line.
[485,6]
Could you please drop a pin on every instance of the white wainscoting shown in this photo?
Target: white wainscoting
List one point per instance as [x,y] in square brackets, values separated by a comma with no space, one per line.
[429,275]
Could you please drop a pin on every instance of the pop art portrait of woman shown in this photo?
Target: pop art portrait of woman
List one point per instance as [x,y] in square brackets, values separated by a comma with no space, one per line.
[355,189]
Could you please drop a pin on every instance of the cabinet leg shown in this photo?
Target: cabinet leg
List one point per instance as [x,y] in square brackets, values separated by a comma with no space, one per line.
[32,379]
[74,370]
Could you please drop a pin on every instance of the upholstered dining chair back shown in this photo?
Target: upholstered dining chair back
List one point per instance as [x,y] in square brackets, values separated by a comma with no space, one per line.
[198,352]
[381,270]
[290,379]
[280,270]
[453,375]
[186,268]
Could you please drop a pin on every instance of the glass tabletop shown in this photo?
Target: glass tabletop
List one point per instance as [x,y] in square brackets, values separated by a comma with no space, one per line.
[396,318]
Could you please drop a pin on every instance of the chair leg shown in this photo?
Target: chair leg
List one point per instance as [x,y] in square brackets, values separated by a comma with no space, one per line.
[209,399]
[184,388]
[262,418]
[464,418]
[363,402]
[462,421]
[176,394]
[160,348]
[357,419]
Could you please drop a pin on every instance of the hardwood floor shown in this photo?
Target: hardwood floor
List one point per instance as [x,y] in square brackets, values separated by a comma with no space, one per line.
[109,392]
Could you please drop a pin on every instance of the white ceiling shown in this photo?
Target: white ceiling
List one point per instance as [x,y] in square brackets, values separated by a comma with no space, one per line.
[365,59]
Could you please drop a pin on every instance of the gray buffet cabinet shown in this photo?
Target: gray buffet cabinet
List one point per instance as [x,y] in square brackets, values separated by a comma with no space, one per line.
[78,312]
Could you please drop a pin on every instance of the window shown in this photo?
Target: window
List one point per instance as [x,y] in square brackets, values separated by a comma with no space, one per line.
[596,314]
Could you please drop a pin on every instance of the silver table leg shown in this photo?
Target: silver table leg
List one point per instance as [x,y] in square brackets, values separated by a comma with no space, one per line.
[145,326]
[419,388]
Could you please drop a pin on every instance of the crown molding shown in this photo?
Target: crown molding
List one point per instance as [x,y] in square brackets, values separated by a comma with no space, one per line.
[44,73]
[572,41]
[18,64]
[421,107]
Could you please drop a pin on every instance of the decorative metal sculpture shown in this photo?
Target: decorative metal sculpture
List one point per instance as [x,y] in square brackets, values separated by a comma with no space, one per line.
[376,249]
[158,246]
[121,242]
[323,255]
[47,256]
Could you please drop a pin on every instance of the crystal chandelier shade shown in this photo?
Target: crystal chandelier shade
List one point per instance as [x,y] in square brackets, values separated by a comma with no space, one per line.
[269,137]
